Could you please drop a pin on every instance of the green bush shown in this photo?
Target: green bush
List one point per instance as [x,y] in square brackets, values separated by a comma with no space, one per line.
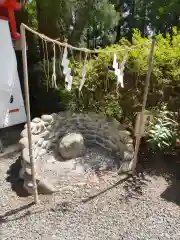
[164,131]
[100,92]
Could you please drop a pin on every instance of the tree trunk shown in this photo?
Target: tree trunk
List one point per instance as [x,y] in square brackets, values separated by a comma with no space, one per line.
[80,24]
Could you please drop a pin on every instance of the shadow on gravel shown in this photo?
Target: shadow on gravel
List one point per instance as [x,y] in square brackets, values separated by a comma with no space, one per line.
[104,191]
[13,178]
[3,218]
[172,193]
[164,165]
[134,185]
[9,216]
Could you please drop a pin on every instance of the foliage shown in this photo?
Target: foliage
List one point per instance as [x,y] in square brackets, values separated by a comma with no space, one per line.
[100,92]
[164,131]
[148,16]
[81,22]
[100,27]
[32,13]
[98,22]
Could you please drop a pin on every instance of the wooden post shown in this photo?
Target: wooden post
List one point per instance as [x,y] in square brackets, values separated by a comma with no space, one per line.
[27,103]
[146,89]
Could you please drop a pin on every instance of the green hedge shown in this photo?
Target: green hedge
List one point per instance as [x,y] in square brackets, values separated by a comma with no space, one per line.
[99,92]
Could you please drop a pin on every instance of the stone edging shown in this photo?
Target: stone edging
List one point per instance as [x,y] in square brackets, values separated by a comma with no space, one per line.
[96,129]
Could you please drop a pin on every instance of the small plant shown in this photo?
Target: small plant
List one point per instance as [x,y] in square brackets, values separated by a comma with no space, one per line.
[163,131]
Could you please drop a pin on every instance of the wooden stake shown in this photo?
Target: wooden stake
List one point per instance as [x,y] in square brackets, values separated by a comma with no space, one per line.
[146,89]
[27,103]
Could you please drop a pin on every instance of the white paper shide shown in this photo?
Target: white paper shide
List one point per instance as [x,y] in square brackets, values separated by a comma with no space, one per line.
[67,70]
[119,71]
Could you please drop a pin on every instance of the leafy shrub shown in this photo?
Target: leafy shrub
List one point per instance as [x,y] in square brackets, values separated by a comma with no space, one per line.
[100,92]
[164,131]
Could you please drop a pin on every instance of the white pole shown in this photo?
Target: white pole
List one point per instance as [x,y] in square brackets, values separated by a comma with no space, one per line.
[146,89]
[27,103]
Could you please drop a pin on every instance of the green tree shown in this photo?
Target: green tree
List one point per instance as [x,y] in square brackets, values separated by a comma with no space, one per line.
[148,16]
[77,20]
[31,12]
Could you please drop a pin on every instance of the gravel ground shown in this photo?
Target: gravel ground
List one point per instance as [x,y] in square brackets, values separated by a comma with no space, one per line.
[134,210]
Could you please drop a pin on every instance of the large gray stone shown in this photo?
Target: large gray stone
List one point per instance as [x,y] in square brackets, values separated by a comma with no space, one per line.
[25,155]
[35,138]
[24,142]
[44,145]
[71,146]
[32,124]
[28,185]
[47,118]
[28,172]
[24,133]
[36,120]
[40,142]
[45,187]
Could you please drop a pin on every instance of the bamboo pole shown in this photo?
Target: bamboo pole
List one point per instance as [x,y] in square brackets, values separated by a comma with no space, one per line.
[27,103]
[146,89]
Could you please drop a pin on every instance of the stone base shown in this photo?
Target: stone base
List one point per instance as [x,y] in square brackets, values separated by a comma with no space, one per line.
[65,136]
